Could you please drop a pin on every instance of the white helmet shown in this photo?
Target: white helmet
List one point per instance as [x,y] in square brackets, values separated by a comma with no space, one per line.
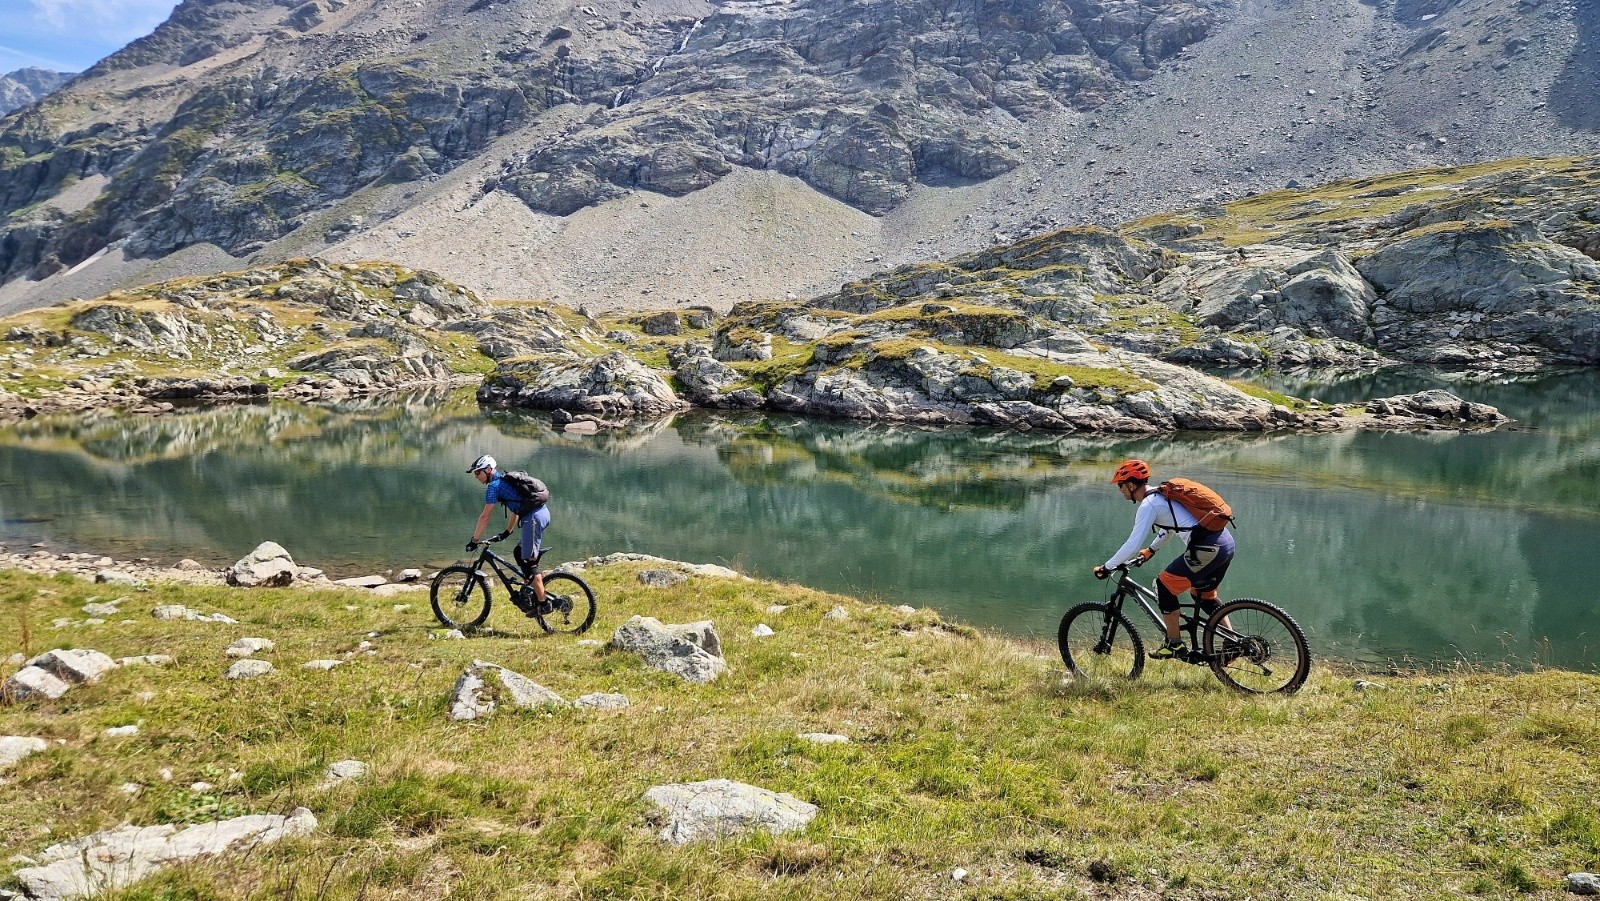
[482,463]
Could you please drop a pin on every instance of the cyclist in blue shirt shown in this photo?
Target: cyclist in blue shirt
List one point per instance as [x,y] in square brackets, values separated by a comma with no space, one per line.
[498,491]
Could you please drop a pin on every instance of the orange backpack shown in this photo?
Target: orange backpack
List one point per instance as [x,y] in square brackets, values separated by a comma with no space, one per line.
[1207,506]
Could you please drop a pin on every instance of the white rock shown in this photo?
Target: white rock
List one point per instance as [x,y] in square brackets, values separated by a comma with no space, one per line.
[146,660]
[75,665]
[762,630]
[269,565]
[343,770]
[837,613]
[690,651]
[130,788]
[130,729]
[958,874]
[718,807]
[112,577]
[95,609]
[13,748]
[602,701]
[408,575]
[32,683]
[362,582]
[905,609]
[398,608]
[111,860]
[249,669]
[776,609]
[16,660]
[470,698]
[321,664]
[1583,883]
[201,787]
[824,738]
[244,647]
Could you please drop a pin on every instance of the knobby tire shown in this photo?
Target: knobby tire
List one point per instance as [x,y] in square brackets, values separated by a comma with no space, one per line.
[563,589]
[460,596]
[1090,653]
[1270,654]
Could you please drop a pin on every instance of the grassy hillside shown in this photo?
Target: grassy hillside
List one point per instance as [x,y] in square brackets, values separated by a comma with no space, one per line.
[968,751]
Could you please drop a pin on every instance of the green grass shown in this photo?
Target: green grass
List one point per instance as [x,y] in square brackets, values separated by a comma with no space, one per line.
[969,750]
[1277,214]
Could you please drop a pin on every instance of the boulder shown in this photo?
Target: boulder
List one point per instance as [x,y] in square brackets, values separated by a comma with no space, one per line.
[74,665]
[13,748]
[116,858]
[178,611]
[483,686]
[613,384]
[691,651]
[1583,883]
[1438,406]
[699,811]
[268,566]
[245,647]
[662,578]
[32,683]
[113,577]
[249,669]
[342,771]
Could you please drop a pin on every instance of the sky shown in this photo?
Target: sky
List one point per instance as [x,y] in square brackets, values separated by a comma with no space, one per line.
[72,35]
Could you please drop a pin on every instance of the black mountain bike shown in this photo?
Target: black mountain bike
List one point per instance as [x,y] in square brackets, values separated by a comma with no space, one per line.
[460,595]
[1251,645]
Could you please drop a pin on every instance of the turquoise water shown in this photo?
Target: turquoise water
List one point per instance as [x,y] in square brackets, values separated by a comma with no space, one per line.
[1389,548]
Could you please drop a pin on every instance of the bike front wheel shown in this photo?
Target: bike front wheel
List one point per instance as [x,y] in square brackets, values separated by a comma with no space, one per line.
[460,596]
[1260,650]
[1098,642]
[571,604]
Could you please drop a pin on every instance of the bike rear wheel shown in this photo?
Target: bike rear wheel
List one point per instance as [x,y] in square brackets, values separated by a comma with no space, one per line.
[1098,642]
[1262,650]
[572,604]
[460,596]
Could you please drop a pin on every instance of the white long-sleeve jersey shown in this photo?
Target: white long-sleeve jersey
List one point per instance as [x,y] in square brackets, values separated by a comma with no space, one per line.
[1155,512]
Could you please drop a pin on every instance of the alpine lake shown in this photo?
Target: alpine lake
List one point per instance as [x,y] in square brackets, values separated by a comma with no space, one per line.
[1415,549]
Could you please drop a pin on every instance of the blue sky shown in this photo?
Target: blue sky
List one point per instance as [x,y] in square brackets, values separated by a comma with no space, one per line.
[72,35]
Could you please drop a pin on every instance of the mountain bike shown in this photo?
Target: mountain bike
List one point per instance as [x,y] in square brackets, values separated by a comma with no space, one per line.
[1252,646]
[460,594]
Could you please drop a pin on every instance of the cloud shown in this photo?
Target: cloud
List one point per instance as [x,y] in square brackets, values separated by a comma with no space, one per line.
[72,35]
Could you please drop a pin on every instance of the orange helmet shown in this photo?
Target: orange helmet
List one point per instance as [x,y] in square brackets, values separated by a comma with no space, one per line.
[1131,470]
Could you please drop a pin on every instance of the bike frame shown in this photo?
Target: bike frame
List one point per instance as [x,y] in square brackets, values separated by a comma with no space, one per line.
[510,574]
[1188,611]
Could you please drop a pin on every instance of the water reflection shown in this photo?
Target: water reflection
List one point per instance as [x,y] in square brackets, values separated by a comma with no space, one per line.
[1386,546]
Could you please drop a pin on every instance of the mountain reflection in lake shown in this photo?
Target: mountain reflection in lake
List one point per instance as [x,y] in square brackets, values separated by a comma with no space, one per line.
[1416,548]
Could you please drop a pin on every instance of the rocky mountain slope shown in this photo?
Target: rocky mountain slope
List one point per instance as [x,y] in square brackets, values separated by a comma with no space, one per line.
[682,152]
[25,86]
[1080,329]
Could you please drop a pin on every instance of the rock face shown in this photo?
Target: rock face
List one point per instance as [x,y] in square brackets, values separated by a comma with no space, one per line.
[692,652]
[1467,284]
[268,566]
[700,811]
[609,385]
[111,860]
